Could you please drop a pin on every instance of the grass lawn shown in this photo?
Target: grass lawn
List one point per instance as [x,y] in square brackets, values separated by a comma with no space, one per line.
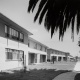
[41,74]
[77,77]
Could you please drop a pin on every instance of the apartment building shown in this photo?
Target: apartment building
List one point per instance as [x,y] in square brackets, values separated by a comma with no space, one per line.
[13,44]
[57,55]
[37,52]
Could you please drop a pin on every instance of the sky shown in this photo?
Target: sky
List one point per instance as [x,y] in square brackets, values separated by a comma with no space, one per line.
[16,10]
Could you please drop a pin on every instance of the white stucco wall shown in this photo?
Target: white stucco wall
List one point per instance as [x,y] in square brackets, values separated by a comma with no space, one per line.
[7,64]
[12,44]
[10,64]
[38,52]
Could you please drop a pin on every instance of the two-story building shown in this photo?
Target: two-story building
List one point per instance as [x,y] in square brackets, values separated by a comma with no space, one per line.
[57,55]
[13,44]
[37,52]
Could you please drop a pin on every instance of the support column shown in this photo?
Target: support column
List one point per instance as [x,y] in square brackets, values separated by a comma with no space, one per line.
[38,58]
[46,58]
[57,58]
[50,57]
[61,58]
[27,57]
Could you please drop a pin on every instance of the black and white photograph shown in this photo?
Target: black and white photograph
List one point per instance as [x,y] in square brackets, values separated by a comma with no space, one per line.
[39,39]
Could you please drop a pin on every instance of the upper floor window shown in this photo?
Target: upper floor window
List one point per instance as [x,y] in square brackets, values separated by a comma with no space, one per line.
[28,43]
[12,33]
[45,49]
[35,46]
[41,48]
[21,37]
[6,29]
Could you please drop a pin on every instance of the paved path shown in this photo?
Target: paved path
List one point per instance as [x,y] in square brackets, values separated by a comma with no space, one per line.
[77,66]
[56,65]
[66,76]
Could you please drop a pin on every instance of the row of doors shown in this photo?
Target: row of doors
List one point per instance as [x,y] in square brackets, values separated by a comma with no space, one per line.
[32,58]
[59,58]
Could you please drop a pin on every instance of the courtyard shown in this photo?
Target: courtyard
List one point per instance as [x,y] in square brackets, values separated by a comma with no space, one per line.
[42,71]
[65,65]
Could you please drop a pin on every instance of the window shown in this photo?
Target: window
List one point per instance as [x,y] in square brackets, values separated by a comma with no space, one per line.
[10,31]
[14,34]
[17,34]
[35,46]
[28,44]
[20,55]
[8,54]
[12,54]
[6,31]
[21,37]
[45,49]
[41,48]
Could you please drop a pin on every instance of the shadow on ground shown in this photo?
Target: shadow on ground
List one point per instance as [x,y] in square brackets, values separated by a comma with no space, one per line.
[77,77]
[42,74]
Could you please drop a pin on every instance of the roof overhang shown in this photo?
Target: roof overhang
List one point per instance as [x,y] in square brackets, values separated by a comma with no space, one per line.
[11,23]
[37,41]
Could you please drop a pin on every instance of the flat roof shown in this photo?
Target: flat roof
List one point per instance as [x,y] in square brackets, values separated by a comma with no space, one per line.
[15,25]
[58,50]
[37,41]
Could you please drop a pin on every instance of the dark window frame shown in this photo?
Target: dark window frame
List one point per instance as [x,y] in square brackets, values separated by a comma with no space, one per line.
[35,46]
[40,48]
[15,34]
[10,55]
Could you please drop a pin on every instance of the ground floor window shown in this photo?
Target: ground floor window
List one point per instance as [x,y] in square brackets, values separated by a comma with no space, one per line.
[13,54]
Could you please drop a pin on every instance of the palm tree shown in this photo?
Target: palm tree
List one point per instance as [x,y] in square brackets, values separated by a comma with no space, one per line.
[58,14]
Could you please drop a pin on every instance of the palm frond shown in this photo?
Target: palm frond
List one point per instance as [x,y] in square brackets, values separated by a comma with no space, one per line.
[59,14]
[32,4]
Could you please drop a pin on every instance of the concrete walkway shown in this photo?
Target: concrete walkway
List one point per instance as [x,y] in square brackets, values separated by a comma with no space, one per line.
[66,76]
[77,66]
[56,65]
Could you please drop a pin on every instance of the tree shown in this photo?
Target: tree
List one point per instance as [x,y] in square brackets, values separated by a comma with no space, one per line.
[58,14]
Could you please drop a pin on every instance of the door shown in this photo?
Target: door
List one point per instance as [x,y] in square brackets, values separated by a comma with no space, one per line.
[31,58]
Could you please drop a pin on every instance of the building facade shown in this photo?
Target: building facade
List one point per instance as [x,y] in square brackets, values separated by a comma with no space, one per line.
[37,52]
[13,44]
[57,55]
[17,49]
